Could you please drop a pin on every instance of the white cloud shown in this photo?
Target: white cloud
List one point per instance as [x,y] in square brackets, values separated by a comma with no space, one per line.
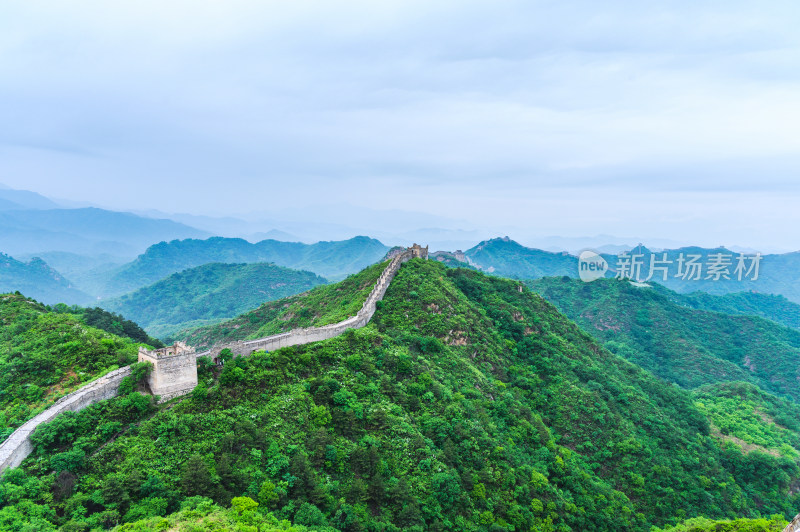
[136,103]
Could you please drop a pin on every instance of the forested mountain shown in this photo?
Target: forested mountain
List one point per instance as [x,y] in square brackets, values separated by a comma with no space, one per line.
[465,404]
[321,306]
[776,274]
[506,258]
[209,292]
[690,347]
[86,272]
[109,322]
[38,280]
[332,260]
[775,308]
[45,354]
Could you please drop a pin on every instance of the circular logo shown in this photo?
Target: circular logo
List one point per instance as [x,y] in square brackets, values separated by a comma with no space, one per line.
[591,266]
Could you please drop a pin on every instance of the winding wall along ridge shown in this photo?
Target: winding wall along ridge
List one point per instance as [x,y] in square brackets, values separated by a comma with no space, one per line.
[315,334]
[18,446]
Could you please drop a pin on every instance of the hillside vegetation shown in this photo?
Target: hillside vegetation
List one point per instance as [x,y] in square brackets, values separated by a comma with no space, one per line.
[331,260]
[465,404]
[211,292]
[772,307]
[683,345]
[741,414]
[321,306]
[109,322]
[45,354]
[701,524]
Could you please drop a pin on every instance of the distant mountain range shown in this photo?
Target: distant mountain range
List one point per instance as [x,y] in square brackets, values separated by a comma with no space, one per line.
[86,272]
[90,249]
[104,276]
[24,199]
[777,274]
[507,258]
[85,231]
[208,293]
[332,260]
[38,280]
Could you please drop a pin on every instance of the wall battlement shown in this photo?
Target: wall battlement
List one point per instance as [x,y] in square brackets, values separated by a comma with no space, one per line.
[175,367]
[316,334]
[18,446]
[174,370]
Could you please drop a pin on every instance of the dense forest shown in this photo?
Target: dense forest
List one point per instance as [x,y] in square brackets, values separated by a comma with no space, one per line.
[45,354]
[656,329]
[209,293]
[769,306]
[109,322]
[468,403]
[321,306]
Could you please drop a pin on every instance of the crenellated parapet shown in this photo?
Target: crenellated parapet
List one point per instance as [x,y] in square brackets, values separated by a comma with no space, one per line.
[18,445]
[174,370]
[316,334]
[175,367]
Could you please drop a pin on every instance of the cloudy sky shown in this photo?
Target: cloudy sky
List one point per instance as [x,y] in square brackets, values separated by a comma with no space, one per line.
[675,119]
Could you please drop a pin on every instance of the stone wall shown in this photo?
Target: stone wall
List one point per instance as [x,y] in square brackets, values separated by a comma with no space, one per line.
[18,446]
[316,334]
[176,374]
[174,370]
[794,526]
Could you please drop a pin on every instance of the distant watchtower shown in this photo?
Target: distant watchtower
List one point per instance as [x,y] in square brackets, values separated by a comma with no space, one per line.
[418,252]
[174,370]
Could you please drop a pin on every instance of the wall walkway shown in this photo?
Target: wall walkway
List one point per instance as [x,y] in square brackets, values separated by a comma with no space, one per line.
[18,446]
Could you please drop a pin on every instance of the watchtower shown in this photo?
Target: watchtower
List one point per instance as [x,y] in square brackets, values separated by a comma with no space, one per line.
[174,370]
[418,252]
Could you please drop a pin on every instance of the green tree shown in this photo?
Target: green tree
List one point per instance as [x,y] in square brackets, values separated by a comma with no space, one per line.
[267,496]
[195,478]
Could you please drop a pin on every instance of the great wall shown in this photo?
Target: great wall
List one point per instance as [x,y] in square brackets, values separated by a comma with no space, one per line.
[175,367]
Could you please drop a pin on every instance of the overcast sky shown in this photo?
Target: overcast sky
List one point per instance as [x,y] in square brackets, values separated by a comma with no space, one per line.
[676,119]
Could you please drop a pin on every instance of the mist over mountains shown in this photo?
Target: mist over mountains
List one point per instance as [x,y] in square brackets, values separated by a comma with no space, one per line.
[84,254]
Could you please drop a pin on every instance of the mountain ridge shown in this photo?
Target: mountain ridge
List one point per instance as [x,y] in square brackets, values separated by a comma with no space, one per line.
[213,291]
[494,409]
[685,345]
[777,274]
[87,230]
[332,260]
[37,279]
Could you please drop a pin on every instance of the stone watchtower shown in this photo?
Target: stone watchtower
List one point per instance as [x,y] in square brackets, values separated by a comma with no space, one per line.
[418,252]
[174,370]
